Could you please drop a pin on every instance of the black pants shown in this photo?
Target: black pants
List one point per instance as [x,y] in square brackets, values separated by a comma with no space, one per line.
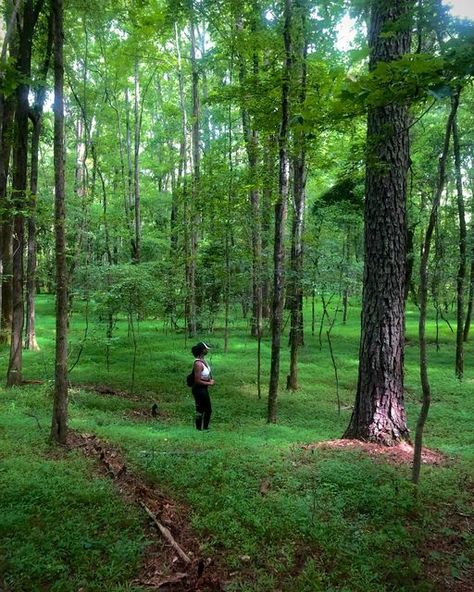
[203,406]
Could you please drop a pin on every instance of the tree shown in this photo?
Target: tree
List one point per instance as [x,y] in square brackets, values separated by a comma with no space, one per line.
[281,208]
[59,420]
[30,14]
[379,411]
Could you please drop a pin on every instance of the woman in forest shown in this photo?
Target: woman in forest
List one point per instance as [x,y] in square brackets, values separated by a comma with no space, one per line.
[202,380]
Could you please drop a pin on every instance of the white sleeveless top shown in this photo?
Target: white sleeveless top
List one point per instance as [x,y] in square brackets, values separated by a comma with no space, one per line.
[206,371]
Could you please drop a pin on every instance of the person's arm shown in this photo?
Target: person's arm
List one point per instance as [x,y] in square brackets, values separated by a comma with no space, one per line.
[198,368]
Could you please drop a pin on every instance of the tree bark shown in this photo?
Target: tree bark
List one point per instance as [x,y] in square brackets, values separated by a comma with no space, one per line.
[6,244]
[19,186]
[130,205]
[299,196]
[194,217]
[59,419]
[251,147]
[379,411]
[461,277]
[136,168]
[281,208]
[423,294]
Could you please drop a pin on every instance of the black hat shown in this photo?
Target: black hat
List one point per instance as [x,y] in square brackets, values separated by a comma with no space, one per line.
[199,348]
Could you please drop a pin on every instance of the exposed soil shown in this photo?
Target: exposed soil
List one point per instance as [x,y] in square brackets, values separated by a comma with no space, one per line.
[400,454]
[102,389]
[164,568]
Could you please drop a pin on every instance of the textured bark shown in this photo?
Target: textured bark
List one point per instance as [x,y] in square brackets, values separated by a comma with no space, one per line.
[19,186]
[59,419]
[281,207]
[423,294]
[379,411]
[299,189]
[461,277]
[6,243]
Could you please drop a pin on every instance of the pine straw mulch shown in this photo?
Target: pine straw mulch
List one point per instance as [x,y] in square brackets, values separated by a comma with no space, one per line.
[179,568]
[400,454]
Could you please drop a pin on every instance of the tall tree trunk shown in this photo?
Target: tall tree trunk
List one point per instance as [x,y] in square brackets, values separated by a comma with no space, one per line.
[19,186]
[7,107]
[36,116]
[206,119]
[470,302]
[299,185]
[281,208]
[461,277]
[251,146]
[269,166]
[194,217]
[130,207]
[59,419]
[379,411]
[423,293]
[6,243]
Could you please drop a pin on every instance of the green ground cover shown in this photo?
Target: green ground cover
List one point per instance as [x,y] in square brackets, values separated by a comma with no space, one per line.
[327,520]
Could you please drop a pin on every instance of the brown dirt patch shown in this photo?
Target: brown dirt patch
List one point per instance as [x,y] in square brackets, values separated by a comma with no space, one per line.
[106,390]
[400,454]
[163,569]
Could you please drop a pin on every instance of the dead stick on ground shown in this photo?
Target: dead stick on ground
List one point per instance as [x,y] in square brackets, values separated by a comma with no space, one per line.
[167,534]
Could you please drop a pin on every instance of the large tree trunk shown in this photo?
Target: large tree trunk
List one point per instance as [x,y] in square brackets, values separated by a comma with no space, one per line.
[461,277]
[19,186]
[6,221]
[281,208]
[36,116]
[379,412]
[59,420]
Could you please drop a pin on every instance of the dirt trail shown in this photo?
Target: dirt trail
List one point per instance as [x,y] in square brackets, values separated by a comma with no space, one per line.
[164,568]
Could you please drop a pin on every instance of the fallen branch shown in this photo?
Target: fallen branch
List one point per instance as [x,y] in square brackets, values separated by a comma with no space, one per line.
[167,534]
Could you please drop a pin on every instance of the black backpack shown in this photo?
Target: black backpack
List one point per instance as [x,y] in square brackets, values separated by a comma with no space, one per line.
[190,378]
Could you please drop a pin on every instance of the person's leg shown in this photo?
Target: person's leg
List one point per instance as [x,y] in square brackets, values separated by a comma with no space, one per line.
[198,420]
[197,392]
[206,418]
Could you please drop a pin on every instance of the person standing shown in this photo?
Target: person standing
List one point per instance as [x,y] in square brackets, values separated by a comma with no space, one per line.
[202,381]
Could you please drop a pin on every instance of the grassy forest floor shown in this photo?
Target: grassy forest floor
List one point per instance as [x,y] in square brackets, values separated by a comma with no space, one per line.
[267,508]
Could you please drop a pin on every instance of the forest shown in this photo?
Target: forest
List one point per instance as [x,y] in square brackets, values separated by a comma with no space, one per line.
[275,197]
